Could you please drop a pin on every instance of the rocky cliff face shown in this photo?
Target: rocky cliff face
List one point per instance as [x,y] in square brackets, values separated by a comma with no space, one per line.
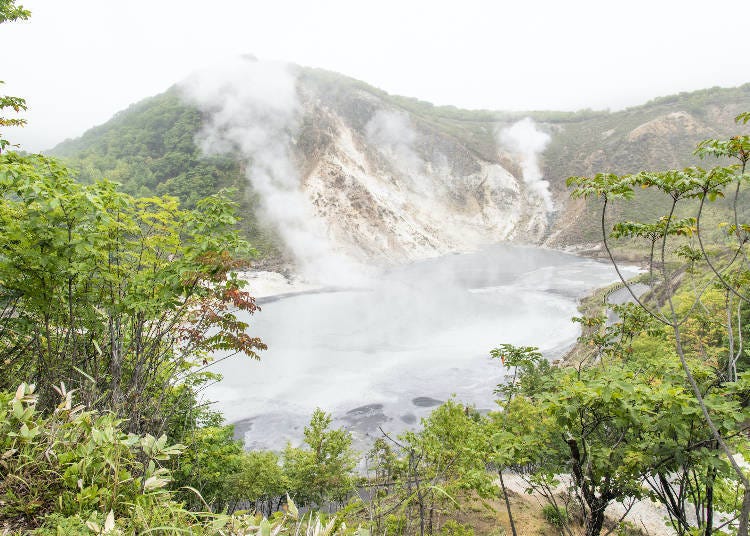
[343,168]
[392,189]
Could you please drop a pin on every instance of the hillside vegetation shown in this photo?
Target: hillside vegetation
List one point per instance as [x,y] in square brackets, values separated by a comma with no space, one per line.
[150,147]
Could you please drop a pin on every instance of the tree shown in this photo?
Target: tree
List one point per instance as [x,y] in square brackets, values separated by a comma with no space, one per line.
[533,368]
[618,428]
[122,297]
[260,480]
[447,460]
[691,247]
[420,475]
[322,471]
[210,459]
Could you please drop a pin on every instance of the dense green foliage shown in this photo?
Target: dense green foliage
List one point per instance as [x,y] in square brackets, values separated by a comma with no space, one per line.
[118,296]
[75,471]
[10,12]
[620,427]
[210,459]
[318,473]
[259,480]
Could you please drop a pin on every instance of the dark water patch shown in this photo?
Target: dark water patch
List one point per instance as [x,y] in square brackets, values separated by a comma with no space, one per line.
[365,419]
[426,402]
[408,418]
[365,410]
[242,427]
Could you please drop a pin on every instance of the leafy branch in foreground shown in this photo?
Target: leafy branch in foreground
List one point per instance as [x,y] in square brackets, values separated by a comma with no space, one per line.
[124,298]
[74,471]
[10,12]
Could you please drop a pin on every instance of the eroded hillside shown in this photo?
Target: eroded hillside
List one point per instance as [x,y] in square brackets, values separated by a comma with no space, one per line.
[386,178]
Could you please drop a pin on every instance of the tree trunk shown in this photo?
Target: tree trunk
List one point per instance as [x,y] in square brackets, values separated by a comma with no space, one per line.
[744,513]
[115,363]
[507,503]
[710,501]
[420,499]
[595,522]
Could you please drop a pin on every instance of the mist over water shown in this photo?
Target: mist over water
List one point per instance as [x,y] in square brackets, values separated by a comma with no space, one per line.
[387,353]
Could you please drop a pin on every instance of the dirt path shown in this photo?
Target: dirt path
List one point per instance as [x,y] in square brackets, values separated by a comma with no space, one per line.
[645,515]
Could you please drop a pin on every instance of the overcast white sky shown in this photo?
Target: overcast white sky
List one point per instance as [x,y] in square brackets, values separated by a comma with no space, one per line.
[79,61]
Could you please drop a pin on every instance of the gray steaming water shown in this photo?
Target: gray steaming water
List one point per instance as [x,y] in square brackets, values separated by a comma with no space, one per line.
[386,354]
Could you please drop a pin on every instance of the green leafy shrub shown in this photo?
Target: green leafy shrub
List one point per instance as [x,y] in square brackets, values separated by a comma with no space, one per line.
[259,480]
[556,516]
[395,524]
[76,472]
[74,462]
[124,298]
[454,528]
[209,462]
[323,471]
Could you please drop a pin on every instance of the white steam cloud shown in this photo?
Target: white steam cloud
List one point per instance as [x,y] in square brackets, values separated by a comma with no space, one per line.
[524,139]
[253,109]
[392,133]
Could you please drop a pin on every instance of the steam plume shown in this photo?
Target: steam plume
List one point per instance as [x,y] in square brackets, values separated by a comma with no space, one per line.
[528,142]
[252,108]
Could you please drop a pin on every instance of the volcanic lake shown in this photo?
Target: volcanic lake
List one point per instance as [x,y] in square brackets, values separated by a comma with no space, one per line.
[384,353]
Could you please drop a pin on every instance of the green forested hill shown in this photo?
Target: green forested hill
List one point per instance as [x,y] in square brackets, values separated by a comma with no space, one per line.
[149,148]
